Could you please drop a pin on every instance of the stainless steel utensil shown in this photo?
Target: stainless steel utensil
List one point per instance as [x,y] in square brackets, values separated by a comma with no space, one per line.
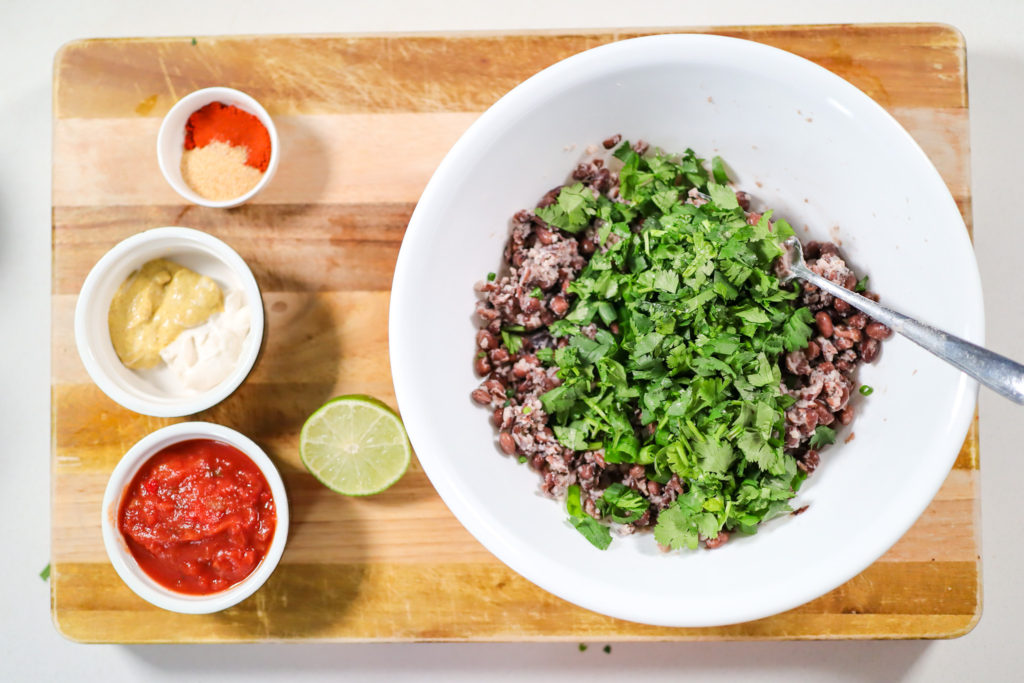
[998,373]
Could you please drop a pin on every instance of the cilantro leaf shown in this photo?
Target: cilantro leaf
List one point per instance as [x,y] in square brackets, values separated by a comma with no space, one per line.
[573,209]
[683,523]
[822,436]
[622,504]
[558,400]
[718,170]
[573,436]
[674,529]
[513,342]
[797,330]
[722,196]
[595,532]
[715,456]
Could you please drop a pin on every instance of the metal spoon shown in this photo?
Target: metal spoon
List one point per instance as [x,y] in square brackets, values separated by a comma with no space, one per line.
[998,373]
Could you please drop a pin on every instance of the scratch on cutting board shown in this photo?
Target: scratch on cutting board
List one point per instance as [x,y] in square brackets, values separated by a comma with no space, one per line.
[261,613]
[167,80]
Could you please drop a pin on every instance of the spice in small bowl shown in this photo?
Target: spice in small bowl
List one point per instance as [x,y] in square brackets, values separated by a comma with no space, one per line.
[227,151]
[217,147]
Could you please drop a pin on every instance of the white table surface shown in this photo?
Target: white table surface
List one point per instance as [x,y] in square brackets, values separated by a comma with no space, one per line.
[30,648]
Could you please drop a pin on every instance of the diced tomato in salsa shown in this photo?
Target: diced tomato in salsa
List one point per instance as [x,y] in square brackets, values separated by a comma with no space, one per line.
[198,516]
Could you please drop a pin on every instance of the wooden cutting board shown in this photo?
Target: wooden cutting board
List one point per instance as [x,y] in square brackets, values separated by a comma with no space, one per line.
[363,122]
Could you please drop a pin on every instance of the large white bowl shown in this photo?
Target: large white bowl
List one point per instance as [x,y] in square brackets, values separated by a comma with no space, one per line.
[799,139]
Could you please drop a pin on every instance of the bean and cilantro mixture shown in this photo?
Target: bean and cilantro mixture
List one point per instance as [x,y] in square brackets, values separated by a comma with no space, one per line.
[642,356]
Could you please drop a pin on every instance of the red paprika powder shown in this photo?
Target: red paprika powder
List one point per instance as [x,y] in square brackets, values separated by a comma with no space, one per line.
[229,124]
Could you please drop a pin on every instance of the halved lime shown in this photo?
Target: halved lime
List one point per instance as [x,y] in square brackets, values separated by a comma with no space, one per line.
[355,445]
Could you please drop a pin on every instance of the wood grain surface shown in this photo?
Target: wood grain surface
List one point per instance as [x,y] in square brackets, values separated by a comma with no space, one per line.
[322,242]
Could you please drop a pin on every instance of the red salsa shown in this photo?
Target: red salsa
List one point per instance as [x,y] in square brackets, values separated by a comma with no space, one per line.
[198,516]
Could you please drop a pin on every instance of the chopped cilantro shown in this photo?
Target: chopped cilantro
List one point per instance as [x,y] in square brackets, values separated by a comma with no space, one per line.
[607,649]
[681,524]
[822,436]
[491,276]
[45,574]
[700,325]
[718,170]
[527,410]
[723,196]
[862,284]
[865,390]
[573,211]
[797,329]
[592,530]
[513,341]
[595,532]
[622,504]
[537,293]
[522,459]
[583,647]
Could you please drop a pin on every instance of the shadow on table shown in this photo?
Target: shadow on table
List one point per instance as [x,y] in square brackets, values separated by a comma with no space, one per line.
[847,661]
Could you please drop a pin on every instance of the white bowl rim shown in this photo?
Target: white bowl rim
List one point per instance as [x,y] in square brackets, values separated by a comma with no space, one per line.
[188,405]
[123,561]
[207,95]
[522,558]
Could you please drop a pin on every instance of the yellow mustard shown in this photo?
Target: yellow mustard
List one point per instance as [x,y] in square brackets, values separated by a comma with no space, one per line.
[154,305]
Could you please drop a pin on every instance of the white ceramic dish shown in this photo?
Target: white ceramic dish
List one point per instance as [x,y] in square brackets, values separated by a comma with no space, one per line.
[158,391]
[170,143]
[123,560]
[799,139]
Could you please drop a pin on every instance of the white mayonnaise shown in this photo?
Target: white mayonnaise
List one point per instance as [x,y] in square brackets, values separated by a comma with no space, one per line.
[203,356]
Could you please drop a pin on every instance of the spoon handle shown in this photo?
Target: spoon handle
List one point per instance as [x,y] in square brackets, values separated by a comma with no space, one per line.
[998,373]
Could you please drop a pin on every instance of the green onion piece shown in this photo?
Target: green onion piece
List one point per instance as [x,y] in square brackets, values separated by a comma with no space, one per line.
[865,390]
[491,276]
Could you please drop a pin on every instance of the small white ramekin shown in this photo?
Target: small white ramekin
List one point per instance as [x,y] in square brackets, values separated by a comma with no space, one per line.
[170,142]
[121,556]
[156,392]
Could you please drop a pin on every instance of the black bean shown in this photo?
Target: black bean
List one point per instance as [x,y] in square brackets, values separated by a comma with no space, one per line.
[612,141]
